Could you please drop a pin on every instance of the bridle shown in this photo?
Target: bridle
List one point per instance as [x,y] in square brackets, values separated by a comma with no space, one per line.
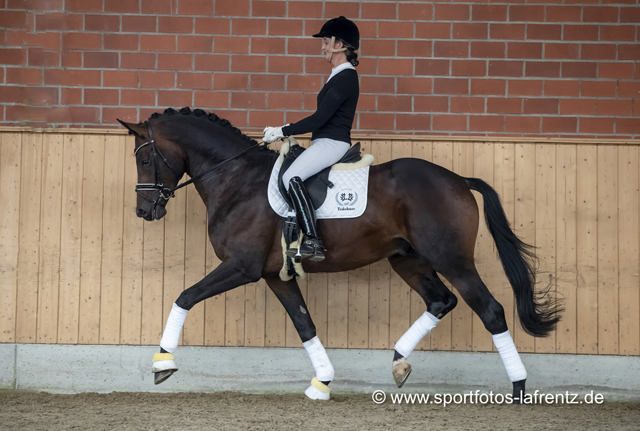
[166,193]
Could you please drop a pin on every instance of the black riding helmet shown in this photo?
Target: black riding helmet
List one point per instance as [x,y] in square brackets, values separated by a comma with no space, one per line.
[343,29]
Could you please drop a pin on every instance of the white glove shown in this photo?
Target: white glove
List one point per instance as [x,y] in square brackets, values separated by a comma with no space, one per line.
[272,134]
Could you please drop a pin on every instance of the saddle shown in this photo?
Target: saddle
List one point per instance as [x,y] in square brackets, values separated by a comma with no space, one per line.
[318,184]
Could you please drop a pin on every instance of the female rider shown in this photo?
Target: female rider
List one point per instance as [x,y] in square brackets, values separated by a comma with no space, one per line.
[330,127]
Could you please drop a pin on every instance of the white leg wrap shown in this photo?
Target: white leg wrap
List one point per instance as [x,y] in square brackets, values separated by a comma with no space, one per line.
[417,332]
[319,359]
[510,357]
[171,334]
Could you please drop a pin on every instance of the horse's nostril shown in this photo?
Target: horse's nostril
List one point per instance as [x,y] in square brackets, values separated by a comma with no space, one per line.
[140,212]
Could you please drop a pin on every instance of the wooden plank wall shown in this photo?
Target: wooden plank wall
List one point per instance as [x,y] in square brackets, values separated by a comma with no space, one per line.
[78,267]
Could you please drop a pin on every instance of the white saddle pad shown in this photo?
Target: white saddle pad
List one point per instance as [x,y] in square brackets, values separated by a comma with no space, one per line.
[346,199]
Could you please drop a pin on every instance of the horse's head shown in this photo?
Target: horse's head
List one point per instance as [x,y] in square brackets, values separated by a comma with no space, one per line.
[161,163]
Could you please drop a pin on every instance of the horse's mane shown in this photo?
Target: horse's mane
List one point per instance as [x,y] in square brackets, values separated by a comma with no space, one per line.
[213,118]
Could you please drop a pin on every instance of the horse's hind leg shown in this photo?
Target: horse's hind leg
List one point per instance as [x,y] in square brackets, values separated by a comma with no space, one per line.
[420,276]
[289,295]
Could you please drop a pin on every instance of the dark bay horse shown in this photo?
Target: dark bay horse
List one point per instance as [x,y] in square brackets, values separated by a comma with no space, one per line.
[420,216]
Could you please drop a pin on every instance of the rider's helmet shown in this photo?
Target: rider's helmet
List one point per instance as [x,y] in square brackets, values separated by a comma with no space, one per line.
[342,29]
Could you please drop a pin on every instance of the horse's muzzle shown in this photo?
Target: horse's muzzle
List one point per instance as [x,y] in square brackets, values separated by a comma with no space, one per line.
[156,213]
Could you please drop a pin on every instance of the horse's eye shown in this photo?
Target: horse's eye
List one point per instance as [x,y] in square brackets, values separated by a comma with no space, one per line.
[145,162]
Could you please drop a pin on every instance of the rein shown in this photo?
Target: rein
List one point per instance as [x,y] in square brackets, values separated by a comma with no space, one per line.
[166,193]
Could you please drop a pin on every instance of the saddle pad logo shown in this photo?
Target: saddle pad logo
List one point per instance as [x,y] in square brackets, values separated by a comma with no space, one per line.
[346,199]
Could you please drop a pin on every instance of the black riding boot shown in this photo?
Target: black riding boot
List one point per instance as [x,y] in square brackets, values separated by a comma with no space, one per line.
[311,246]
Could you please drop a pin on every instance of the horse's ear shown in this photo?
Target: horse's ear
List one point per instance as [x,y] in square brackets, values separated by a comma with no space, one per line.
[134,129]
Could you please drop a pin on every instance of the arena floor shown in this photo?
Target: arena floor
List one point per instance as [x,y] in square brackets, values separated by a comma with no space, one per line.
[237,411]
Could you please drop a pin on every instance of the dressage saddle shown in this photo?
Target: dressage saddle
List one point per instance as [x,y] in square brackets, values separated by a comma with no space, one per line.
[317,184]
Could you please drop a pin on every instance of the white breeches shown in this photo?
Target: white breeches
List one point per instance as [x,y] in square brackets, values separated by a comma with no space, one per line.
[321,154]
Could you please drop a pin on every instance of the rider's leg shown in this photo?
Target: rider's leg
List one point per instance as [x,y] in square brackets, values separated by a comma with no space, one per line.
[311,245]
[320,155]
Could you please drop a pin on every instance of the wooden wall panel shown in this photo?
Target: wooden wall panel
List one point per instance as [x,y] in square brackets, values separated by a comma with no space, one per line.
[78,266]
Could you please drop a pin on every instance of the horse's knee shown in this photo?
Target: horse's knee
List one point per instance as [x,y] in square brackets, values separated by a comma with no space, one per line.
[493,318]
[444,305]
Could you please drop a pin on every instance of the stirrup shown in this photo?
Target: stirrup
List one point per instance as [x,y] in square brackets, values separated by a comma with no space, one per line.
[311,248]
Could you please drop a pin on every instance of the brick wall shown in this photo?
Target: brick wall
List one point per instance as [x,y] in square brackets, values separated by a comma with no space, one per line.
[558,68]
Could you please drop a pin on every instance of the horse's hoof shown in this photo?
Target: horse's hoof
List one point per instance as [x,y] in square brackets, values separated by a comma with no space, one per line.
[518,391]
[318,390]
[401,371]
[161,376]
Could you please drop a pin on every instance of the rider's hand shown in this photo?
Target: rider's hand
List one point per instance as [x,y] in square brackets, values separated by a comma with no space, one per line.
[272,134]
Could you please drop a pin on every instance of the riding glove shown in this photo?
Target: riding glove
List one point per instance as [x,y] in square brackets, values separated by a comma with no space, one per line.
[272,134]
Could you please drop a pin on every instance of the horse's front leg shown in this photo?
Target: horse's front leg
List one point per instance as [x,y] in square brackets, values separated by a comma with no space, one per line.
[228,275]
[289,295]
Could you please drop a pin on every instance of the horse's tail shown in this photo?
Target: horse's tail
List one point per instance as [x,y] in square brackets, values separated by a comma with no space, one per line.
[538,316]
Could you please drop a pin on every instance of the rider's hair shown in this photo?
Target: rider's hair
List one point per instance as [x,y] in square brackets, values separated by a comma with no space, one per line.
[352,56]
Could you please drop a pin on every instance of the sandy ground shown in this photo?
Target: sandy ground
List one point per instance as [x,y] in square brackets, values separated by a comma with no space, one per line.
[236,411]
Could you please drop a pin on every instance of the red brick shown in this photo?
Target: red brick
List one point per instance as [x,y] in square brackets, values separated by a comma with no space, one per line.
[72,78]
[636,108]
[16,57]
[451,12]
[19,75]
[231,44]
[559,124]
[506,68]
[579,70]
[544,32]
[629,52]
[468,68]
[562,51]
[121,6]
[366,102]
[378,84]
[137,60]
[119,78]
[527,50]
[629,126]
[83,5]
[580,32]
[301,9]
[269,8]
[29,95]
[138,23]
[261,118]
[195,43]
[267,82]
[450,122]
[432,67]
[540,106]
[304,83]
[21,38]
[368,29]
[482,12]
[175,24]
[413,48]
[195,80]
[465,105]
[71,59]
[525,87]
[249,100]
[629,89]
[410,86]
[175,61]
[304,46]
[598,88]
[487,49]
[599,14]
[545,69]
[248,63]
[157,79]
[375,10]
[488,86]
[486,123]
[101,60]
[562,88]
[396,66]
[526,13]
[40,58]
[598,52]
[211,99]
[615,70]
[522,124]
[212,62]
[78,115]
[413,122]
[284,101]
[504,105]
[285,27]
[101,23]
[162,43]
[248,26]
[159,7]
[213,26]
[70,96]
[174,98]
[577,106]
[232,8]
[433,30]
[315,65]
[450,86]
[100,96]
[82,41]
[279,64]
[630,14]
[618,108]
[394,103]
[451,49]
[368,66]
[430,104]
[614,33]
[596,125]
[195,7]
[471,30]
[411,12]
[13,19]
[121,42]
[109,115]
[507,31]
[267,45]
[395,30]
[375,121]
[563,13]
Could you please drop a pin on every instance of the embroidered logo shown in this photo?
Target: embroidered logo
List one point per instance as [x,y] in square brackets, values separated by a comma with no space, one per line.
[346,199]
